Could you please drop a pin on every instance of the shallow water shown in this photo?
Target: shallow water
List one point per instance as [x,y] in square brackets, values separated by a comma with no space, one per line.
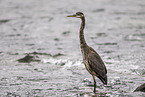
[116,30]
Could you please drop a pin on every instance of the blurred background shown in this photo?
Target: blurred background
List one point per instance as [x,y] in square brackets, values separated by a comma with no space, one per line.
[40,54]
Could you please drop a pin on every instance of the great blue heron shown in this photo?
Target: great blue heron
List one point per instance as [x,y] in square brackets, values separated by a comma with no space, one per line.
[91,58]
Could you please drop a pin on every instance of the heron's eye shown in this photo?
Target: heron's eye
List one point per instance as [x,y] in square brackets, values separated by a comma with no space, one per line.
[79,13]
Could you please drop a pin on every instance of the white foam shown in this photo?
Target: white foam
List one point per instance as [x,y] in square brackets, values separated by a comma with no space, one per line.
[66,63]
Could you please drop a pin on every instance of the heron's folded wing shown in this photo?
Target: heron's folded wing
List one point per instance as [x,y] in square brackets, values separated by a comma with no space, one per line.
[97,65]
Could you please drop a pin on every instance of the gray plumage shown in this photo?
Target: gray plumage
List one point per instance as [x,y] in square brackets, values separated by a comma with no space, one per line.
[91,58]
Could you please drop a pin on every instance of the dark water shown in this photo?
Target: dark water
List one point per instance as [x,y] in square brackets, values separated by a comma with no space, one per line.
[40,29]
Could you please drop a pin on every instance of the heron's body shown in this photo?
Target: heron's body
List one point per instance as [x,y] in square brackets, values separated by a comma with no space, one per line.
[93,62]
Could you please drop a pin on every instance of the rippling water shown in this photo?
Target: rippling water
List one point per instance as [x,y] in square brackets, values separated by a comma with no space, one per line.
[41,31]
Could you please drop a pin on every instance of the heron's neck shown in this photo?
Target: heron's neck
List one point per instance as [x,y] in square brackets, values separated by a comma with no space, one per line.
[82,39]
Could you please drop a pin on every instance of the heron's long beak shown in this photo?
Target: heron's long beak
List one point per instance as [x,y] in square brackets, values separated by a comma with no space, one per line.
[71,16]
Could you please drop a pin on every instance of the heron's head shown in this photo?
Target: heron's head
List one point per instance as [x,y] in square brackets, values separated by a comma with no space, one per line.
[77,15]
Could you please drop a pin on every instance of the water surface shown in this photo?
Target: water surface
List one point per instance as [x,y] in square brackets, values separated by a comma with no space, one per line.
[116,30]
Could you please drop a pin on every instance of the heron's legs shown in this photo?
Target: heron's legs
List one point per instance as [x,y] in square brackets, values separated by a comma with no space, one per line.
[94,83]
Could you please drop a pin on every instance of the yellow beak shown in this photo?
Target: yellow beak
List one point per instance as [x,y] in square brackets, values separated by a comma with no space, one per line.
[71,16]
